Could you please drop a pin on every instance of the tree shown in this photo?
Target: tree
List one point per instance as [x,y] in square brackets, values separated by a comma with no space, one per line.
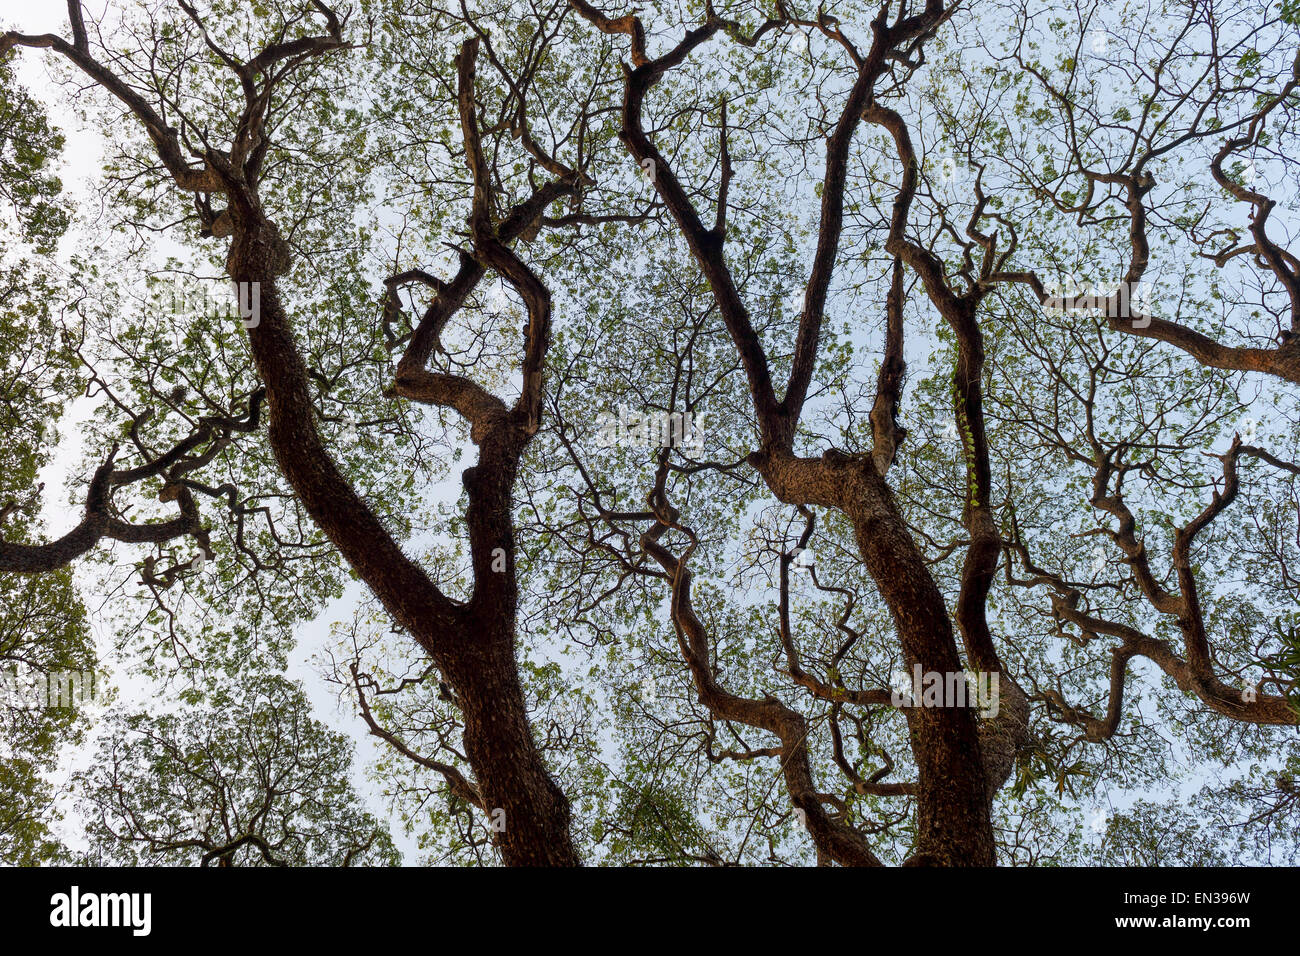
[43,628]
[805,408]
[224,152]
[247,778]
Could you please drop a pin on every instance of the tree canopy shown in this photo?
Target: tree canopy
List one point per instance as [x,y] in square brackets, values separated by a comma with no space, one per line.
[715,433]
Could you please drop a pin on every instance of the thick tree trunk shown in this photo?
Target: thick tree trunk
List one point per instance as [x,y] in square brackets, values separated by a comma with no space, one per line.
[953,821]
[472,644]
[528,812]
[954,824]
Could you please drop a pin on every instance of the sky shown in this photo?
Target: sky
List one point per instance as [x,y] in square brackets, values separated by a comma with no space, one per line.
[81,161]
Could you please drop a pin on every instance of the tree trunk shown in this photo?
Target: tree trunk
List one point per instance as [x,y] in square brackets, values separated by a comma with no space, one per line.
[474,644]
